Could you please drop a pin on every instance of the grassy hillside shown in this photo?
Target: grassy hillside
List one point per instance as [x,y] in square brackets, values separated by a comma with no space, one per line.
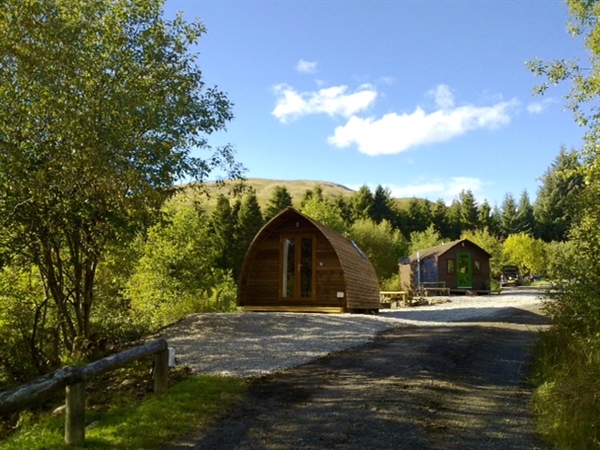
[264,191]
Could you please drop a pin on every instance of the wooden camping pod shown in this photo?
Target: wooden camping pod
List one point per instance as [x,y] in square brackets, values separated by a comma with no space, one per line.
[298,264]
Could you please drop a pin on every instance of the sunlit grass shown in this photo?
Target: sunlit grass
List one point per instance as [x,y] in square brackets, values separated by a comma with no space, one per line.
[189,405]
[567,398]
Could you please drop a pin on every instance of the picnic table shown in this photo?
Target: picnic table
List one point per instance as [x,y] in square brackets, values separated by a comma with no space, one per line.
[388,298]
[433,287]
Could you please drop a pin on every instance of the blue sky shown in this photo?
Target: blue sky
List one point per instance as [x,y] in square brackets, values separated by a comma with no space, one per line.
[424,97]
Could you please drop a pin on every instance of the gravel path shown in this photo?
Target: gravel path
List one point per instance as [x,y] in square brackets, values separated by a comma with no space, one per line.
[443,377]
[255,344]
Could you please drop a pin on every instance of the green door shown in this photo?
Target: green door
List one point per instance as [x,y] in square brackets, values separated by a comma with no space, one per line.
[465,270]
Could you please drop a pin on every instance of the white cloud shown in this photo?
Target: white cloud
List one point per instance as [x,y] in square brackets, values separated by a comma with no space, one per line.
[306,66]
[444,99]
[396,133]
[539,107]
[333,101]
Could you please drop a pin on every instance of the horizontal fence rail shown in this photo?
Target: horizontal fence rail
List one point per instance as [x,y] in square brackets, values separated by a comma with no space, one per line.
[74,378]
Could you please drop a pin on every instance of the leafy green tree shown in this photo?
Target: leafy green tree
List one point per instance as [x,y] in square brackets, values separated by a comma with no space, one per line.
[421,240]
[508,219]
[27,325]
[525,217]
[381,243]
[280,199]
[176,275]
[525,252]
[362,203]
[326,212]
[555,207]
[101,104]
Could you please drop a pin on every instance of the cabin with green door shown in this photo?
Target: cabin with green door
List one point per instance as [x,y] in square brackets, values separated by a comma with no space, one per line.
[296,264]
[458,267]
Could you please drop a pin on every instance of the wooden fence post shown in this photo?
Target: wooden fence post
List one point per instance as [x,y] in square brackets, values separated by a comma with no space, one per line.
[75,414]
[161,369]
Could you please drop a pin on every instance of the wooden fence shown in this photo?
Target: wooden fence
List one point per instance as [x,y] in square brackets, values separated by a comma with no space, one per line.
[74,380]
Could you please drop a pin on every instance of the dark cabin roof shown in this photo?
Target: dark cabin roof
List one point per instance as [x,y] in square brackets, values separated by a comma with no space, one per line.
[361,279]
[443,248]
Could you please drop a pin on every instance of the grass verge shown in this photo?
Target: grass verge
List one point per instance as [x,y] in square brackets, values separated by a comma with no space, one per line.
[566,374]
[153,423]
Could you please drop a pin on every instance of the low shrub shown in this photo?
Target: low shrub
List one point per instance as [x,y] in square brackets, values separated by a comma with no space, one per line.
[567,397]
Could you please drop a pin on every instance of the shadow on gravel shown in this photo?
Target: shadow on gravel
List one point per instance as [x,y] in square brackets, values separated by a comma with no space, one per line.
[412,388]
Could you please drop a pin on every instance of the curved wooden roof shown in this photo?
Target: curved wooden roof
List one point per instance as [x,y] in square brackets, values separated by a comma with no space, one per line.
[443,248]
[362,285]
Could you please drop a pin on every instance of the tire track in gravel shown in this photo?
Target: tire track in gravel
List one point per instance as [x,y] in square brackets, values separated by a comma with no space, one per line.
[459,386]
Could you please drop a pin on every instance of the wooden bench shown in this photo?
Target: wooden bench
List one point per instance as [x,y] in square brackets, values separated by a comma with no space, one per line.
[433,287]
[387,298]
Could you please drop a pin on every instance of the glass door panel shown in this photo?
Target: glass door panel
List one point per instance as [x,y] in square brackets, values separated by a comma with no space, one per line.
[298,271]
[289,266]
[306,267]
[465,270]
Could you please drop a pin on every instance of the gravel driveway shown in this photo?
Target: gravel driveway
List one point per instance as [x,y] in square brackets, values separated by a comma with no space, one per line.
[255,344]
[442,377]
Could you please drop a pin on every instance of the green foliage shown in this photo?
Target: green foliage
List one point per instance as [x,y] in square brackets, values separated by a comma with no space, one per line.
[509,222]
[382,205]
[525,216]
[418,216]
[362,204]
[93,136]
[439,218]
[454,220]
[223,223]
[556,203]
[190,404]
[326,212]
[469,210]
[568,364]
[26,326]
[176,274]
[280,200]
[491,244]
[525,252]
[567,396]
[421,240]
[249,223]
[382,244]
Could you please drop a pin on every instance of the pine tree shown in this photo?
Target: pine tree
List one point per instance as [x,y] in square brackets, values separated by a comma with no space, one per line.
[454,220]
[508,220]
[280,199]
[554,208]
[362,203]
[382,205]
[484,219]
[439,218]
[525,217]
[419,215]
[249,223]
[223,224]
[468,210]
